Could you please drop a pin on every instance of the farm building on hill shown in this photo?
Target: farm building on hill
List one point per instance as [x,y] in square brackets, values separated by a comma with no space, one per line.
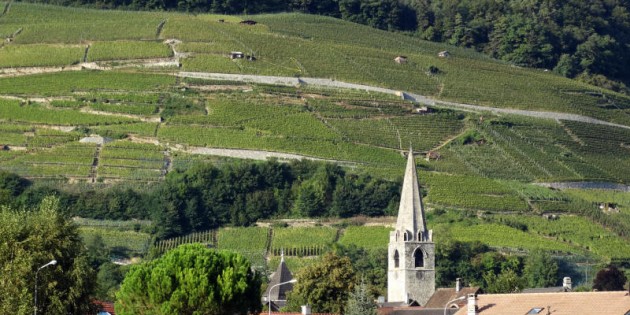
[401,59]
[96,139]
[444,54]
[237,55]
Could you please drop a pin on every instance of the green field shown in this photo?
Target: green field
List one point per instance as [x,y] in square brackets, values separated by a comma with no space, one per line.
[120,50]
[129,242]
[38,55]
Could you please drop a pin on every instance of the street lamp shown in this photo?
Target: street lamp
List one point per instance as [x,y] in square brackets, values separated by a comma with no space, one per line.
[52,262]
[461,298]
[269,293]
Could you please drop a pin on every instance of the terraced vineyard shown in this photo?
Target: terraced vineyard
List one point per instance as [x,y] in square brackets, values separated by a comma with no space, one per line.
[67,74]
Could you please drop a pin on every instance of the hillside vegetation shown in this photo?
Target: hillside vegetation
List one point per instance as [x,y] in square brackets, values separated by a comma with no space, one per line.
[580,39]
[68,73]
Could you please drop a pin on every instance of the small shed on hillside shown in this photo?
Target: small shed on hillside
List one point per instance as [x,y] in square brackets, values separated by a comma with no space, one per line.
[401,59]
[237,55]
[96,139]
[248,22]
[444,54]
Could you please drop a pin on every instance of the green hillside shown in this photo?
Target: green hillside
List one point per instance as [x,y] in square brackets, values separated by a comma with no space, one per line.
[68,73]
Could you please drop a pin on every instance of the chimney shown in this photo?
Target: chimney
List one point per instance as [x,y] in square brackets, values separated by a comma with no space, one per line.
[306,310]
[458,284]
[472,305]
[566,284]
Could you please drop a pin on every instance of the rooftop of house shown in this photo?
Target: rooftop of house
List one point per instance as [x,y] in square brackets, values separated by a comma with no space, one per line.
[445,295]
[105,308]
[565,303]
[417,310]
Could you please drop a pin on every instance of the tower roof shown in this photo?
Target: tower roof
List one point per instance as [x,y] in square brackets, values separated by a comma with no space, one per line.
[411,210]
[282,274]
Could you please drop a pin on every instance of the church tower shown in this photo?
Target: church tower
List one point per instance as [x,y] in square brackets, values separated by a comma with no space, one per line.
[411,253]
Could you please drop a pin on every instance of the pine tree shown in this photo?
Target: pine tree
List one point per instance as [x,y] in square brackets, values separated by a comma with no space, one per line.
[360,302]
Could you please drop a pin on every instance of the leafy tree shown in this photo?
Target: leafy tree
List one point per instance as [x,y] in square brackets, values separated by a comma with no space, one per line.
[360,302]
[30,239]
[461,260]
[96,251]
[541,270]
[191,279]
[370,265]
[108,280]
[609,279]
[507,281]
[324,285]
[11,186]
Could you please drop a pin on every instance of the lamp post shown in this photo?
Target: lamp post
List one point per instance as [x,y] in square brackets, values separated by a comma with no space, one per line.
[52,262]
[269,293]
[461,298]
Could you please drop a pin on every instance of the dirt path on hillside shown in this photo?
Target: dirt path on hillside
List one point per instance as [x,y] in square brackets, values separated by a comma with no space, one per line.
[254,154]
[136,117]
[416,98]
[260,155]
[293,81]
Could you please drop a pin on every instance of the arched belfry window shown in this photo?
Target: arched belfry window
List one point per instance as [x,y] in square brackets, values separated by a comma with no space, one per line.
[421,236]
[407,236]
[418,258]
[397,235]
[396,259]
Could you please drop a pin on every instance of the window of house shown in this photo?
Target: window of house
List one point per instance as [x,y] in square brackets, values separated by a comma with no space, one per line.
[535,310]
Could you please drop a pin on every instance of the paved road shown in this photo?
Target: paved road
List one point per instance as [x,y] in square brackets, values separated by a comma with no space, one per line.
[421,99]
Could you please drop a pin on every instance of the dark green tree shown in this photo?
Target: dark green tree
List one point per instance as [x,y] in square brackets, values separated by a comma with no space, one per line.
[508,281]
[609,279]
[108,280]
[11,186]
[541,270]
[30,239]
[324,285]
[370,266]
[191,279]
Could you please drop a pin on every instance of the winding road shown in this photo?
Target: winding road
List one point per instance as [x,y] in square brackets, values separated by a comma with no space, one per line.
[421,99]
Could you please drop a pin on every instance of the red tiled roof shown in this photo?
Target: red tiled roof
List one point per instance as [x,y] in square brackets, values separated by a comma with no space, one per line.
[445,295]
[565,303]
[105,307]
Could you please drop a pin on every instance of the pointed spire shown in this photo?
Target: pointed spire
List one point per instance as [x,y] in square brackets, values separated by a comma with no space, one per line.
[411,210]
[282,274]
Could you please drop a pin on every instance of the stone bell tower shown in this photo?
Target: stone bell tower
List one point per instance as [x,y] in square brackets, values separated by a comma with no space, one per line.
[411,252]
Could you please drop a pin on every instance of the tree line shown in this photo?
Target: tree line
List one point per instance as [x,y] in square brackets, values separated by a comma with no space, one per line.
[205,196]
[587,40]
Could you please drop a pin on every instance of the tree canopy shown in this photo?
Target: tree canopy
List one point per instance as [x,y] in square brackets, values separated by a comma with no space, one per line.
[205,196]
[191,280]
[324,285]
[541,270]
[31,239]
[609,279]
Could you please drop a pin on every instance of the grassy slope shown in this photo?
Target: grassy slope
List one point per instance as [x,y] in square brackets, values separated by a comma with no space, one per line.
[365,129]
